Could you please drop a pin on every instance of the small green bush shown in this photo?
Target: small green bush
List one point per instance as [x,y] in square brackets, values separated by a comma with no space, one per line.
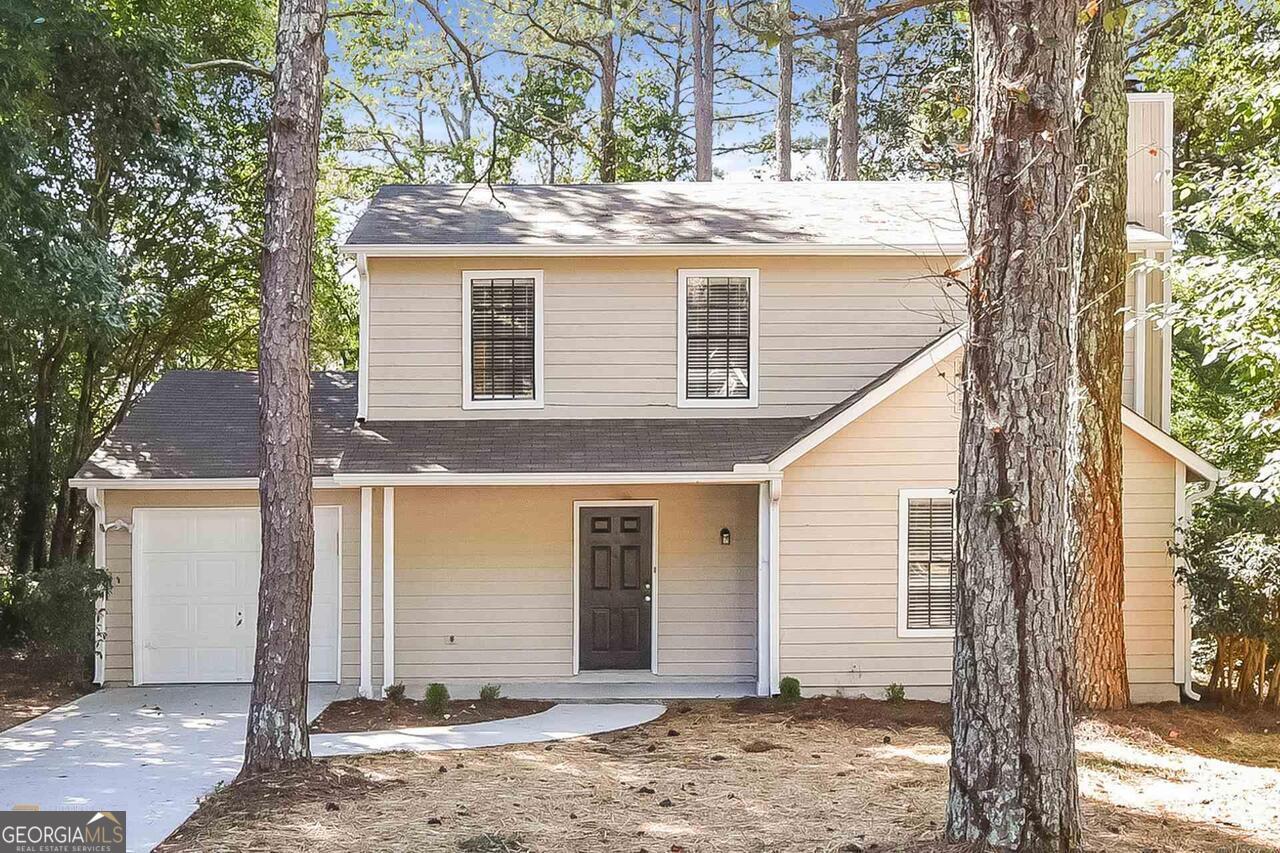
[395,692]
[789,688]
[437,698]
[55,609]
[895,693]
[490,692]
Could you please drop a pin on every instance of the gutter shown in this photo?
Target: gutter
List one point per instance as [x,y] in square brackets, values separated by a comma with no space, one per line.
[1188,681]
[93,496]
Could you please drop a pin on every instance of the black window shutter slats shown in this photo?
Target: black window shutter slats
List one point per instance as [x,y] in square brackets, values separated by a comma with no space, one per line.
[931,589]
[502,339]
[717,338]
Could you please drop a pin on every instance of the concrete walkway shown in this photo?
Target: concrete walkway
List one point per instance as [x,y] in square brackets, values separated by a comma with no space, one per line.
[153,752]
[559,722]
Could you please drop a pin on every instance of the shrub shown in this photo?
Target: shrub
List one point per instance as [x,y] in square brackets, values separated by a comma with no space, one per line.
[437,698]
[789,688]
[490,692]
[395,692]
[55,609]
[895,692]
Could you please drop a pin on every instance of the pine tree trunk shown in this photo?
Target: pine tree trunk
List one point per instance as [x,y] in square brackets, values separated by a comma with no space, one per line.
[1097,529]
[608,100]
[277,731]
[833,124]
[786,77]
[31,540]
[1013,765]
[850,72]
[704,43]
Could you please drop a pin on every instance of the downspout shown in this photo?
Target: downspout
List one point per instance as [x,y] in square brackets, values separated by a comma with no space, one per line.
[93,497]
[1189,503]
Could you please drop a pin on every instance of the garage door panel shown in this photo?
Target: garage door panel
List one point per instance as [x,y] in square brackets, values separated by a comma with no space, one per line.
[198,595]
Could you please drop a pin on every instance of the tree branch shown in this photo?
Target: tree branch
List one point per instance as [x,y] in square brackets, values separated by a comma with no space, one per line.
[237,65]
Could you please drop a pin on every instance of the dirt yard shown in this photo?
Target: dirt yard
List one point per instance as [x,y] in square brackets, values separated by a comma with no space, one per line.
[31,684]
[820,775]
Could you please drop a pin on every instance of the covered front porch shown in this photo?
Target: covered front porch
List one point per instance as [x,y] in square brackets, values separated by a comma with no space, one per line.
[645,590]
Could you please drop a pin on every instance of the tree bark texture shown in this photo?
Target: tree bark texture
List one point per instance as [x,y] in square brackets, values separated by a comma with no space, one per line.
[277,730]
[1013,767]
[786,77]
[704,76]
[833,123]
[1097,531]
[30,547]
[608,101]
[850,72]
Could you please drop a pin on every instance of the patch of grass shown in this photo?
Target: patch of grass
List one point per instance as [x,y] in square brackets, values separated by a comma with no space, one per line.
[492,842]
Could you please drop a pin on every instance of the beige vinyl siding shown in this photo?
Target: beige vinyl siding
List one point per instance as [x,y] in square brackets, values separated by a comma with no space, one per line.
[839,551]
[1149,163]
[120,504]
[1155,371]
[484,581]
[827,325]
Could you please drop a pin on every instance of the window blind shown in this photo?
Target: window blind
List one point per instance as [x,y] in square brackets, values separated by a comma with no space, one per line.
[931,587]
[502,339]
[717,337]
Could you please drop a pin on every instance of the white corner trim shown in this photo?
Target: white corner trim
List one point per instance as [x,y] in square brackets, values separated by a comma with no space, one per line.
[578,506]
[775,585]
[752,400]
[943,349]
[763,587]
[366,592]
[94,498]
[1161,439]
[538,336]
[388,587]
[904,498]
[362,363]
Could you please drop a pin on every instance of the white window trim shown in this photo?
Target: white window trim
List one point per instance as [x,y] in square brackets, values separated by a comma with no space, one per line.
[682,342]
[537,402]
[904,497]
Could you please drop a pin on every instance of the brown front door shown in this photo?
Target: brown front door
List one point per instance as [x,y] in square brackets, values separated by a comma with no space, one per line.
[615,581]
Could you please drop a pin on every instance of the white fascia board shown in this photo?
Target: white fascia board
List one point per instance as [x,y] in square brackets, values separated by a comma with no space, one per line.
[918,366]
[1161,439]
[462,250]
[603,478]
[185,483]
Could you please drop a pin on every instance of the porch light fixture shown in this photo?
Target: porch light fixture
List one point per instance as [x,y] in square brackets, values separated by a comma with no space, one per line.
[725,537]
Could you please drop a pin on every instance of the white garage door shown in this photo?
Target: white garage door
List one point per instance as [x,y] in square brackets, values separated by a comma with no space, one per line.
[195,596]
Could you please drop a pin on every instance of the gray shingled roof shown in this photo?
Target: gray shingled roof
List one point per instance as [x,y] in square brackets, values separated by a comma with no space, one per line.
[813,213]
[204,423]
[562,445]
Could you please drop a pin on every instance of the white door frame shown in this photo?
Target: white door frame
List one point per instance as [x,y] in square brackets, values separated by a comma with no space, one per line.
[137,577]
[578,506]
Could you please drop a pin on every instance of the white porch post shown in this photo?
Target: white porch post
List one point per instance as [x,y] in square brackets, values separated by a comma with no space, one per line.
[775,591]
[388,586]
[366,591]
[763,587]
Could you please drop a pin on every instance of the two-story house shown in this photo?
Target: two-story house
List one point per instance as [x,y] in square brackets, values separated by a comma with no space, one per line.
[626,440]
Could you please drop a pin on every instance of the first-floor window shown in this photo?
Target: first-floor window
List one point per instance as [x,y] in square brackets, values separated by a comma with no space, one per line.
[502,339]
[926,562]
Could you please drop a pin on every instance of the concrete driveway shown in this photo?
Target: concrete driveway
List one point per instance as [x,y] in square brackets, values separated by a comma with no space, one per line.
[151,751]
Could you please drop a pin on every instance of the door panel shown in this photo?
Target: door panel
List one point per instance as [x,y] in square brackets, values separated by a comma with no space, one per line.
[615,587]
[196,573]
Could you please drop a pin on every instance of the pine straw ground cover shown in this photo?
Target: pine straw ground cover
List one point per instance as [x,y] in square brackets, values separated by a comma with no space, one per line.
[818,775]
[32,683]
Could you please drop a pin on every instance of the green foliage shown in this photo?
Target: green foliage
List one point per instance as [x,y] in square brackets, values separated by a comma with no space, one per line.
[490,692]
[394,692]
[789,688]
[437,698]
[55,611]
[895,693]
[652,145]
[1231,565]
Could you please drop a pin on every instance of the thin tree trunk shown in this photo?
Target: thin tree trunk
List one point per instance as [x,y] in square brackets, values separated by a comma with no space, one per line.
[1013,765]
[30,547]
[608,101]
[833,125]
[786,75]
[69,509]
[1096,519]
[277,731]
[850,72]
[704,63]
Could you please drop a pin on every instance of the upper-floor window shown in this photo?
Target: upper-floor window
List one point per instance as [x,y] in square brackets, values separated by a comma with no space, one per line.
[926,563]
[719,338]
[502,339]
